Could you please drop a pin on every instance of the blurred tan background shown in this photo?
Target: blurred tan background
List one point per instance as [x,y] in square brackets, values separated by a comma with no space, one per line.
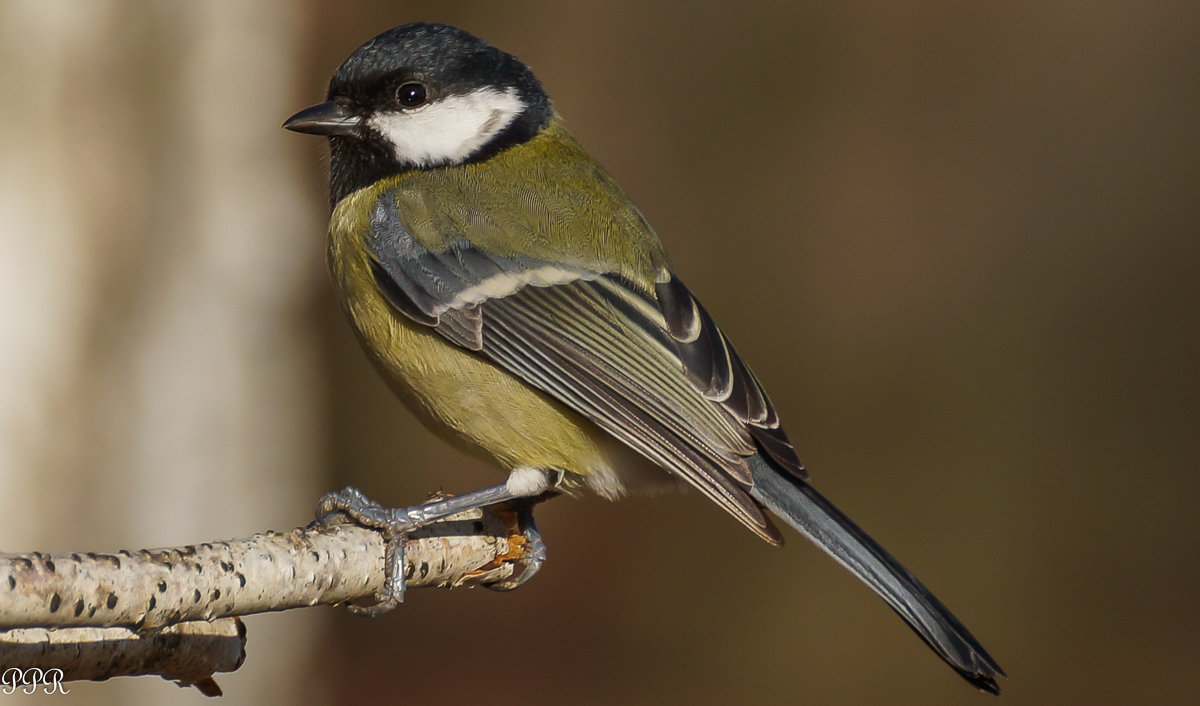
[960,245]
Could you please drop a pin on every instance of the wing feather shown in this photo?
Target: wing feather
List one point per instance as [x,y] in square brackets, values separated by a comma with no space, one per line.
[721,374]
[580,376]
[650,368]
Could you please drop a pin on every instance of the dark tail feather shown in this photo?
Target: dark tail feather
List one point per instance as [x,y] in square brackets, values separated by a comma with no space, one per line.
[795,502]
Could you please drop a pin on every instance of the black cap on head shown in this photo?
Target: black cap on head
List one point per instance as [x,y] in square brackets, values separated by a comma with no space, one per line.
[446,57]
[431,65]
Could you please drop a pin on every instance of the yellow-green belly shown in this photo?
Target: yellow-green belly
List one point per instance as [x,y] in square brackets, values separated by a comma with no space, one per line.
[470,402]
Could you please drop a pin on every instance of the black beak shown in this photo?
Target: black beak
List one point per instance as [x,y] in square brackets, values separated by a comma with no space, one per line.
[327,119]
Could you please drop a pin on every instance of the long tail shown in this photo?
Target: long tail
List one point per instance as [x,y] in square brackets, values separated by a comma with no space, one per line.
[802,507]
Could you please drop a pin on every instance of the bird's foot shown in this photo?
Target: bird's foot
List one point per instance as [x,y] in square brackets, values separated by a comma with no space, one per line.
[524,488]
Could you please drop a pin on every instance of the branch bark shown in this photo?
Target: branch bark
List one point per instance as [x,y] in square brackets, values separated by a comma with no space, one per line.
[173,612]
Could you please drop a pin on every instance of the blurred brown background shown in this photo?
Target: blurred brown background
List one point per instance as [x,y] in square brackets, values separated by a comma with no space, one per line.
[958,243]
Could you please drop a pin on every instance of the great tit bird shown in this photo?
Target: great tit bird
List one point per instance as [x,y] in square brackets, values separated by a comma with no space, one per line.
[522,307]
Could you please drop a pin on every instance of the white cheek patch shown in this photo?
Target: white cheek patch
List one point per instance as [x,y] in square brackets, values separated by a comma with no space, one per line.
[449,129]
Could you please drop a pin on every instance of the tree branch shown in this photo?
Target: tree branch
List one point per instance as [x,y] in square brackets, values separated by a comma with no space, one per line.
[188,654]
[172,612]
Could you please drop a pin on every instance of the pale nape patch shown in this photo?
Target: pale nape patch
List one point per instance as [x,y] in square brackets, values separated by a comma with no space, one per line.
[449,129]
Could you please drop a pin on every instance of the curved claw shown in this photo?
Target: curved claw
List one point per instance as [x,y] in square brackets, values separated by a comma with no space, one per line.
[392,594]
[534,554]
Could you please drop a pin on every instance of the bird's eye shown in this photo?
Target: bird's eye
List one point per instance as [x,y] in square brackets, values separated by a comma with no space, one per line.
[412,94]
